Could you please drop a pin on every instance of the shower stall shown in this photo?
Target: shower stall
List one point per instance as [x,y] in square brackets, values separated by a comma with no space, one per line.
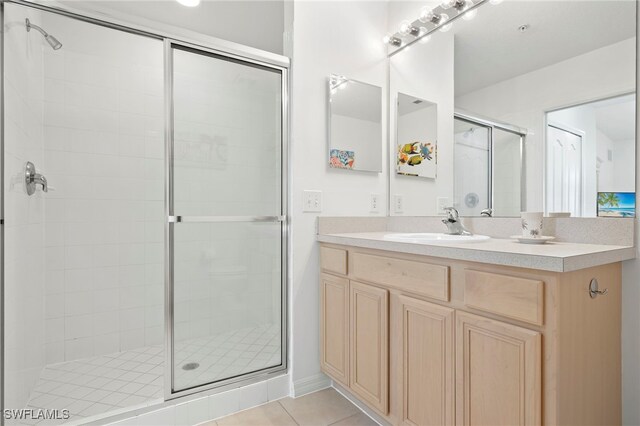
[489,163]
[144,215]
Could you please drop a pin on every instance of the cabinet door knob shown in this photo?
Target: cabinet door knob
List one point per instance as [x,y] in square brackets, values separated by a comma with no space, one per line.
[593,289]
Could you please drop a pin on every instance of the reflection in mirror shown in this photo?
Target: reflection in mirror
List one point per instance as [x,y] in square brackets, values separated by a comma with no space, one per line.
[536,66]
[488,166]
[520,64]
[600,133]
[417,133]
[355,125]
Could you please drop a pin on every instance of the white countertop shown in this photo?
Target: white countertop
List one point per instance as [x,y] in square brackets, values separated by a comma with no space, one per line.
[556,257]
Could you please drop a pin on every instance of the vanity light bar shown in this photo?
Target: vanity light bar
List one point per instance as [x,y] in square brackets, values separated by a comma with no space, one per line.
[436,18]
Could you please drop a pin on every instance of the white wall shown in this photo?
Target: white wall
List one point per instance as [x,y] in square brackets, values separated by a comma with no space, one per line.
[624,165]
[523,100]
[24,215]
[606,169]
[415,73]
[329,37]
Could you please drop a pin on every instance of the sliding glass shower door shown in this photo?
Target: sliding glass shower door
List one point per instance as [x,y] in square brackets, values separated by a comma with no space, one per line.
[226,219]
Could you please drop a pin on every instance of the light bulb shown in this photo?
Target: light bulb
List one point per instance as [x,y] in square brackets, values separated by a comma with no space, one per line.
[392,40]
[426,15]
[189,3]
[406,28]
[448,4]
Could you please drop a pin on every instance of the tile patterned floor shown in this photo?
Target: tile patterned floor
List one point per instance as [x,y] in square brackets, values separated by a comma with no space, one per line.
[323,408]
[120,381]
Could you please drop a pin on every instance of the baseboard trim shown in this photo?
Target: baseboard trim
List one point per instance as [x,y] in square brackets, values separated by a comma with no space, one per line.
[366,410]
[310,384]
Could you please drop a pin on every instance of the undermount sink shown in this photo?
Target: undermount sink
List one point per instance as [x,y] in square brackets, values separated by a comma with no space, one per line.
[432,237]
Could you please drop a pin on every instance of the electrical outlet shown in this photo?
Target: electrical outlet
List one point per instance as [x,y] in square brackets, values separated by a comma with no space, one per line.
[311,201]
[375,203]
[442,203]
[397,203]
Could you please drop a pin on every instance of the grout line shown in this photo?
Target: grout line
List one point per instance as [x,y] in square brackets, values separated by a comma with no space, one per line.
[286,411]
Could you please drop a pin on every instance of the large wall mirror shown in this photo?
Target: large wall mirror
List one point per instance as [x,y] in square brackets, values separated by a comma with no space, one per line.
[539,115]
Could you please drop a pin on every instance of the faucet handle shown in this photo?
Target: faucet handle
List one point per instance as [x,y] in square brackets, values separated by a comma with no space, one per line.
[487,212]
[452,213]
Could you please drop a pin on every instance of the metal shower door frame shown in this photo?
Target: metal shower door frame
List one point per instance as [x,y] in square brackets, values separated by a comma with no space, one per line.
[172,219]
[202,43]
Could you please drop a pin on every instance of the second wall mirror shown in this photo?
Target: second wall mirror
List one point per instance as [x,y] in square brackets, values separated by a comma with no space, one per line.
[355,125]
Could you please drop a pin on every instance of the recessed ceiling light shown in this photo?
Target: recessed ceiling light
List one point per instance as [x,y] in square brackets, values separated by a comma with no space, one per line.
[523,28]
[189,3]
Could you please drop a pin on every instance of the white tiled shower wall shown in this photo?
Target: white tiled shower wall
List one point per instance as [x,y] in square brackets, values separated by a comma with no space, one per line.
[103,158]
[24,216]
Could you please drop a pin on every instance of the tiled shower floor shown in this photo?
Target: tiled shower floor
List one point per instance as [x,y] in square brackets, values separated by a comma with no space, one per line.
[109,383]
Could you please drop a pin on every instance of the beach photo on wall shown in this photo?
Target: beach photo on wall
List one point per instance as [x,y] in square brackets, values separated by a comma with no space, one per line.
[616,204]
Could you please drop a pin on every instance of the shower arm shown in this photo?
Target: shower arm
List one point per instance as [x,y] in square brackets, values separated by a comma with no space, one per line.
[34,26]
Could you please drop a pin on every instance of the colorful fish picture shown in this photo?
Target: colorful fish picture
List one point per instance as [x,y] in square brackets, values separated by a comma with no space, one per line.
[339,159]
[417,159]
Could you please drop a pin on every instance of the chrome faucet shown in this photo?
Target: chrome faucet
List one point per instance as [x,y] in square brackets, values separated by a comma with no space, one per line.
[487,212]
[454,223]
[31,179]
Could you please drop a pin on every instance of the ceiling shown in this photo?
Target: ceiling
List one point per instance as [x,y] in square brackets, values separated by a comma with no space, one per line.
[490,48]
[255,23]
[358,100]
[407,104]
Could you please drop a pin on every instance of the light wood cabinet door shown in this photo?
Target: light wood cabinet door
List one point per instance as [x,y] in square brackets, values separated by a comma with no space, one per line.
[426,364]
[369,369]
[498,373]
[334,327]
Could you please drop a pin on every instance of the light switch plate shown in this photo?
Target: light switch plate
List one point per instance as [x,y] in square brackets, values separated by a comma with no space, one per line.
[398,203]
[311,201]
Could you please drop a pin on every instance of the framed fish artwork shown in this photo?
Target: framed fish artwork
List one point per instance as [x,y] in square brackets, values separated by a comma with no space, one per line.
[341,159]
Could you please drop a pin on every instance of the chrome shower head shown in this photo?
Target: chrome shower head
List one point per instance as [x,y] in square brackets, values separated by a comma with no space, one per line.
[53,42]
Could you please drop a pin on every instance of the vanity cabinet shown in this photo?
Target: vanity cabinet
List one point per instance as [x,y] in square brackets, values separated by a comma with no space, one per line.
[498,369]
[424,337]
[369,345]
[334,327]
[431,341]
